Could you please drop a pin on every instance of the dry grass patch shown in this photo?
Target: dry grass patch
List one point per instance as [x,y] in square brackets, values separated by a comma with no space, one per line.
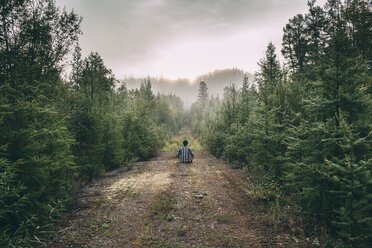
[175,143]
[223,218]
[164,208]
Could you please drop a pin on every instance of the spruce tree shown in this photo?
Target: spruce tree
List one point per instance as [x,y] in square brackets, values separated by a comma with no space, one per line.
[322,163]
[295,42]
[35,142]
[93,121]
[267,78]
[244,103]
[351,188]
[203,94]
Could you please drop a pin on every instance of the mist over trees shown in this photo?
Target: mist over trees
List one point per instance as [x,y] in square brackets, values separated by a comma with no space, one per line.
[187,90]
[302,129]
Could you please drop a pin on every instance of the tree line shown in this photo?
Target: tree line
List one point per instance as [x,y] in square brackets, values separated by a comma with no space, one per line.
[304,128]
[56,133]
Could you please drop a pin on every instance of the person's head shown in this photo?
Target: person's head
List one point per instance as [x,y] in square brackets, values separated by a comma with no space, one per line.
[185,142]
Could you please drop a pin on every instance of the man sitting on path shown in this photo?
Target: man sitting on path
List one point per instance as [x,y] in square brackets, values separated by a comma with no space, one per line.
[185,153]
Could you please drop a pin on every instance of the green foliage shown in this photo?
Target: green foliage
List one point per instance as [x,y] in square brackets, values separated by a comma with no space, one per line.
[307,128]
[351,182]
[55,135]
[174,144]
[140,141]
[35,146]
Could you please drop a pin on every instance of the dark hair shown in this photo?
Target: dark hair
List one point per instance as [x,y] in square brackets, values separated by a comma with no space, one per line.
[185,142]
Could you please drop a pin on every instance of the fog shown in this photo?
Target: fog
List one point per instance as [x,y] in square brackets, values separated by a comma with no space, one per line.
[181,38]
[188,90]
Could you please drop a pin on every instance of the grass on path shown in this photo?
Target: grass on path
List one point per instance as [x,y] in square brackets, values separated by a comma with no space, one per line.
[175,143]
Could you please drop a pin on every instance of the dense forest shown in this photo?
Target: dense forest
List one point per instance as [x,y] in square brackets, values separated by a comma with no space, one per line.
[302,129]
[57,134]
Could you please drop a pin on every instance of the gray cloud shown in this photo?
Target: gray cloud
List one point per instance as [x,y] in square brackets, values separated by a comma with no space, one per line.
[132,31]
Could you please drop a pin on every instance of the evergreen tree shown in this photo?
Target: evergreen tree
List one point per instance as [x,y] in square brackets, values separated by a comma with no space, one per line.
[229,108]
[357,13]
[94,124]
[146,91]
[203,94]
[351,181]
[54,134]
[309,126]
[316,25]
[324,168]
[268,79]
[244,103]
[295,42]
[35,144]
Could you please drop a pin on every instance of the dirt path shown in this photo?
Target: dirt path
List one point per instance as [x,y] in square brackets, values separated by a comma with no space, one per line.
[155,205]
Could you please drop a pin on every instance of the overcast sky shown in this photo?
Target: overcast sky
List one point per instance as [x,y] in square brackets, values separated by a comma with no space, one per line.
[181,38]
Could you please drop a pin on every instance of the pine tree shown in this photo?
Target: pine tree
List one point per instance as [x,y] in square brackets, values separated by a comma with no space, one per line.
[203,94]
[351,188]
[268,78]
[244,103]
[316,25]
[35,143]
[93,121]
[357,14]
[321,161]
[295,42]
[146,91]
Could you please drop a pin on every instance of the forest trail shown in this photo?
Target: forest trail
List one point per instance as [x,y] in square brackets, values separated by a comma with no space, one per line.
[155,205]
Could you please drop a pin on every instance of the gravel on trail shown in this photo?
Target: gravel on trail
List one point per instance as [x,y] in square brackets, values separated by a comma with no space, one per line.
[163,203]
